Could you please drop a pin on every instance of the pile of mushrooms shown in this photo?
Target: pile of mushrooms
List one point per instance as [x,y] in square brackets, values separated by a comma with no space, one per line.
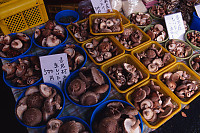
[130,38]
[88,88]
[51,35]
[117,117]
[14,45]
[102,50]
[151,103]
[81,31]
[124,75]
[24,72]
[140,19]
[194,38]
[157,33]
[38,105]
[153,58]
[179,48]
[72,126]
[195,62]
[75,58]
[105,25]
[159,11]
[179,82]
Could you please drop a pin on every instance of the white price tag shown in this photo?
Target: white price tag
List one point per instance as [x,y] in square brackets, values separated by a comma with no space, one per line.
[101,6]
[175,26]
[55,68]
[197,8]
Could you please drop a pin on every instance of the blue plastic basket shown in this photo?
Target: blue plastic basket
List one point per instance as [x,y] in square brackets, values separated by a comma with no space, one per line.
[103,105]
[50,48]
[59,91]
[9,59]
[195,24]
[74,75]
[77,48]
[8,82]
[66,13]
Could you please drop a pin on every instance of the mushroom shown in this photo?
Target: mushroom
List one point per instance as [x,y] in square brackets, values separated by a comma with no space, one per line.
[31,90]
[108,125]
[22,37]
[70,51]
[37,33]
[159,27]
[158,62]
[129,68]
[168,110]
[167,102]
[147,103]
[16,44]
[117,105]
[107,55]
[7,39]
[35,100]
[53,125]
[148,114]
[77,87]
[89,98]
[32,117]
[132,125]
[45,90]
[97,77]
[109,23]
[59,29]
[52,41]
[151,53]
[50,24]
[101,89]
[171,85]
[153,67]
[20,110]
[139,94]
[71,127]
[9,68]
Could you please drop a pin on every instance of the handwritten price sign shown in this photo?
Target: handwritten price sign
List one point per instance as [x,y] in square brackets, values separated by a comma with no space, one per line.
[101,6]
[175,26]
[55,68]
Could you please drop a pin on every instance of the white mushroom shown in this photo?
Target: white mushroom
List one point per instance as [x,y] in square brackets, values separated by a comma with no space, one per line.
[52,41]
[132,125]
[16,44]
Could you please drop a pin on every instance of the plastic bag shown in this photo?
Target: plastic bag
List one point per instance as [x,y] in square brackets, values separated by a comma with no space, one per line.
[133,6]
[116,4]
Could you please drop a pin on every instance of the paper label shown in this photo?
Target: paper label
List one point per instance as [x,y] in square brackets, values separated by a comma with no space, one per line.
[197,8]
[55,68]
[101,6]
[175,26]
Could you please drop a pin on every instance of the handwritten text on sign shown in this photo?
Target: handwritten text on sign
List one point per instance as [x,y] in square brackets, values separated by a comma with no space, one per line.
[175,26]
[101,6]
[55,68]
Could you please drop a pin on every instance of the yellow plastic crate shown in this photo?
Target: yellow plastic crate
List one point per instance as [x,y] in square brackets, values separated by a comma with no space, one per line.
[20,15]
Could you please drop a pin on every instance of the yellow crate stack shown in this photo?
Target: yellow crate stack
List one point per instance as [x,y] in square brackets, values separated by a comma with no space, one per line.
[20,15]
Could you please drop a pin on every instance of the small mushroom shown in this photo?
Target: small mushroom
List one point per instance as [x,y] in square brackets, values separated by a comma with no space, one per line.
[52,41]
[70,51]
[148,114]
[159,27]
[101,89]
[147,103]
[77,87]
[53,125]
[20,110]
[9,68]
[72,127]
[171,85]
[45,90]
[89,45]
[98,78]
[109,23]
[139,94]
[168,110]
[16,44]
[23,37]
[132,125]
[31,90]
[107,55]
[89,98]
[153,67]
[37,33]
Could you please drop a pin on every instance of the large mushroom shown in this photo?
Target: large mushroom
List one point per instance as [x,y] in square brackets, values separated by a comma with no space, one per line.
[98,78]
[132,125]
[108,125]
[77,87]
[71,127]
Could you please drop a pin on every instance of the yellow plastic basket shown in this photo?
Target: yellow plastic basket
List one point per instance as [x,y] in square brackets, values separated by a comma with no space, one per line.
[145,38]
[158,46]
[126,58]
[181,66]
[114,42]
[124,19]
[20,15]
[106,15]
[163,90]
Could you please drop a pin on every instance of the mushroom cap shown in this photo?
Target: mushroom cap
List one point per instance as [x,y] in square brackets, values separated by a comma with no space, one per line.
[151,53]
[35,100]
[159,27]
[168,110]
[116,105]
[97,76]
[32,117]
[108,125]
[139,94]
[129,68]
[45,90]
[131,125]
[70,51]
[31,90]
[20,110]
[53,125]
[148,114]
[71,127]
[130,111]
[77,87]
[153,67]
[16,44]
[101,89]
[89,98]
[146,103]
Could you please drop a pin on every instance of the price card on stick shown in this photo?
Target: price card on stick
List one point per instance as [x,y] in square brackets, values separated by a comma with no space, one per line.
[101,6]
[175,26]
[55,68]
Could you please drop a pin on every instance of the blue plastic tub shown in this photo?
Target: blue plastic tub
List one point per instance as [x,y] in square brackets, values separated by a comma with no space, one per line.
[50,48]
[9,59]
[74,75]
[66,13]
[8,83]
[77,48]
[59,91]
[103,105]
[195,24]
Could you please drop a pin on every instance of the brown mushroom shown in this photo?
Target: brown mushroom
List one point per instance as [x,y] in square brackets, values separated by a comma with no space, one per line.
[153,67]
[89,98]
[147,103]
[16,44]
[101,89]
[132,125]
[45,90]
[108,125]
[71,127]
[168,110]
[97,77]
[53,125]
[77,87]
[139,94]
[32,117]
